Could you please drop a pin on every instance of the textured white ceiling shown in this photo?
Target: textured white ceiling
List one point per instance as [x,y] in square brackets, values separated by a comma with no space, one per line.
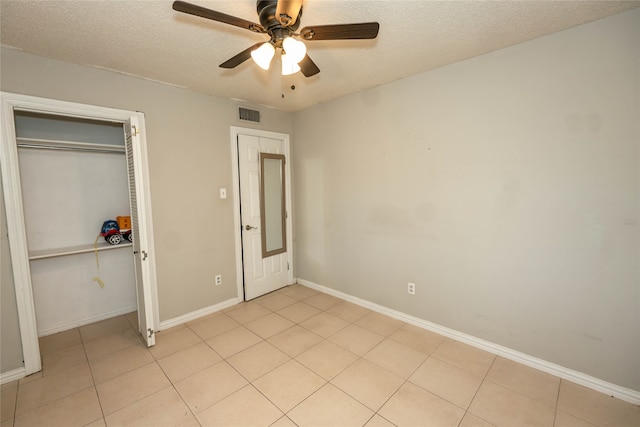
[147,38]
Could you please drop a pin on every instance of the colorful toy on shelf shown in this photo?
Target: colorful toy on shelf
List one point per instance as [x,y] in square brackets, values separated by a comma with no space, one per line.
[114,231]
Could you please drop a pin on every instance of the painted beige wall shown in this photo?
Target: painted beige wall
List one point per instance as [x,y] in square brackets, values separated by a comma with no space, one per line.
[189,160]
[10,344]
[502,186]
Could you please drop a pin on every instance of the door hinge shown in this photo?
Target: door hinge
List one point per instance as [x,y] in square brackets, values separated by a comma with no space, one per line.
[144,255]
[287,266]
[135,131]
[150,332]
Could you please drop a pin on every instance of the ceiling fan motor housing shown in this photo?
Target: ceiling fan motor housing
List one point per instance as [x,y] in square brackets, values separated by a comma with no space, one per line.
[268,19]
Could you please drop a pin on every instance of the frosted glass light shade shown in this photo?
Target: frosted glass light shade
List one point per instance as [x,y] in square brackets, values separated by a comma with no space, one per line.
[289,67]
[296,50]
[263,55]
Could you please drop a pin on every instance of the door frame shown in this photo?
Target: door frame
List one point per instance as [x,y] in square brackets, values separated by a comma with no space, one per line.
[15,209]
[237,220]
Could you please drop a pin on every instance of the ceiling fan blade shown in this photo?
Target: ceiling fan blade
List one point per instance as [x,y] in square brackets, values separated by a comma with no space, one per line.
[363,30]
[240,58]
[287,11]
[308,67]
[203,12]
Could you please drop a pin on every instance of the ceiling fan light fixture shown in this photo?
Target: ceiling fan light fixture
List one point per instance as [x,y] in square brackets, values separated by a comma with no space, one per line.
[263,55]
[280,19]
[288,66]
[296,50]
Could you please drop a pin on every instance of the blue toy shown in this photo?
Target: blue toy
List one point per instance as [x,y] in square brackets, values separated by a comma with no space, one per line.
[113,231]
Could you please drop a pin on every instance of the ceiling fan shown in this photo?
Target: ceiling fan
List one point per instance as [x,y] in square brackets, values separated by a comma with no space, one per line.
[280,19]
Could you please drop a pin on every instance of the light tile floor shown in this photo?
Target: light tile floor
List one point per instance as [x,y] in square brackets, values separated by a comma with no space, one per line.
[293,357]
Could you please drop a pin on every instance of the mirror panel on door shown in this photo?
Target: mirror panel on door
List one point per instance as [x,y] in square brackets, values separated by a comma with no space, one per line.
[272,204]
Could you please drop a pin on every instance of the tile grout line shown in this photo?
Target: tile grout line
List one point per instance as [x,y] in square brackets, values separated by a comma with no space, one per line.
[141,341]
[251,382]
[142,398]
[185,403]
[567,413]
[484,378]
[173,384]
[555,408]
[224,359]
[555,412]
[406,380]
[286,414]
[43,377]
[360,357]
[42,373]
[15,405]
[93,380]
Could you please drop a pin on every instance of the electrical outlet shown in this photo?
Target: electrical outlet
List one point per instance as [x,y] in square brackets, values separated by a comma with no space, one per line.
[411,288]
[218,280]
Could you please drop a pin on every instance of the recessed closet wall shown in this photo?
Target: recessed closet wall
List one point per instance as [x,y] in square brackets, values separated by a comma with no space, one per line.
[73,174]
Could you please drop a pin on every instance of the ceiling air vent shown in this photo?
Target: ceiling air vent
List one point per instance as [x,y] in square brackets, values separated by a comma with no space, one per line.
[248,115]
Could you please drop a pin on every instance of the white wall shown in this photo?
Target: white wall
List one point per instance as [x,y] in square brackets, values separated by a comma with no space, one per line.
[189,160]
[505,186]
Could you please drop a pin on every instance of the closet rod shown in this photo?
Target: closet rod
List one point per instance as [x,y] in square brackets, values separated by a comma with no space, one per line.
[68,146]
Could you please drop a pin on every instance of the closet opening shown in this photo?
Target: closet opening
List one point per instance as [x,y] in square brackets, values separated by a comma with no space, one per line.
[73,173]
[67,170]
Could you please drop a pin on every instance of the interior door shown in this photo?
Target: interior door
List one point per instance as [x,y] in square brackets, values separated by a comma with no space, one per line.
[142,244]
[261,274]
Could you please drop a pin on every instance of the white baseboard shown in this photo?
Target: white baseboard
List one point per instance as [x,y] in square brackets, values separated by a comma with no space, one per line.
[61,327]
[622,393]
[166,324]
[16,374]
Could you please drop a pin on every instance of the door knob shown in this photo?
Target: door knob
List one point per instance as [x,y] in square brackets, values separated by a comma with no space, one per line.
[248,227]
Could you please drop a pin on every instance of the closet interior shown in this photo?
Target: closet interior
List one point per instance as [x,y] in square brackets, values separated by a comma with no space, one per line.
[74,176]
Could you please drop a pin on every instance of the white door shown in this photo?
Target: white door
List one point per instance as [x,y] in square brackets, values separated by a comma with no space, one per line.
[261,275]
[140,230]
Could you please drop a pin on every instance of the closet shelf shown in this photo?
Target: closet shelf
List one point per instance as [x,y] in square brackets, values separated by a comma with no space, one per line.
[72,250]
[68,145]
